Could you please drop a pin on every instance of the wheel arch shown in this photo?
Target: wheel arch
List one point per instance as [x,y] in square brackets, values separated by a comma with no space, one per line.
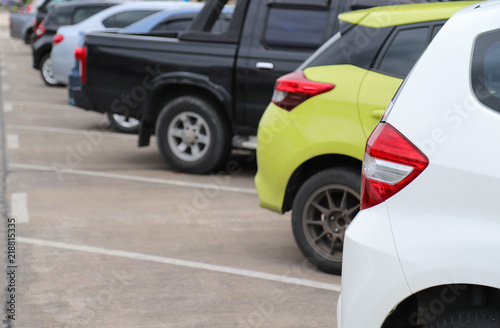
[430,304]
[311,167]
[170,86]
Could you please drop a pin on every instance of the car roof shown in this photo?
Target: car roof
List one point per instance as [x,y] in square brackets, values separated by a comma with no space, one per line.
[141,5]
[150,22]
[83,3]
[379,17]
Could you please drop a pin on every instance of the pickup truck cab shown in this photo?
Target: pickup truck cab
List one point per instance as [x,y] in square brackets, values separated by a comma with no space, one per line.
[204,92]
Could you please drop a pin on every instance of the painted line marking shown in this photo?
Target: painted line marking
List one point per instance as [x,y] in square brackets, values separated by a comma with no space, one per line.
[5,87]
[183,263]
[3,73]
[61,171]
[43,105]
[12,141]
[8,107]
[68,131]
[19,206]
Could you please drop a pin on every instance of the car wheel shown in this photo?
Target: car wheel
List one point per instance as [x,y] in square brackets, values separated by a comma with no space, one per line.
[476,318]
[47,72]
[122,123]
[192,135]
[28,36]
[323,208]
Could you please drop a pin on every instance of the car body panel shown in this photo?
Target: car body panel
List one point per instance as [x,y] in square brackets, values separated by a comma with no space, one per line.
[375,93]
[371,264]
[403,14]
[21,24]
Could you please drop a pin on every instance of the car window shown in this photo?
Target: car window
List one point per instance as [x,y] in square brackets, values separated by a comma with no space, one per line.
[173,25]
[404,51]
[124,19]
[85,12]
[435,30]
[485,72]
[59,16]
[350,46]
[292,28]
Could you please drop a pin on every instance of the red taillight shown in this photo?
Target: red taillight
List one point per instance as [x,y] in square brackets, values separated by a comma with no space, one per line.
[10,23]
[294,88]
[391,162]
[58,38]
[40,30]
[81,55]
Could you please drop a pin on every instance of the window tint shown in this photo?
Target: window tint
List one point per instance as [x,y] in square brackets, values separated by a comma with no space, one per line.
[292,28]
[485,73]
[173,25]
[122,20]
[85,12]
[435,31]
[358,45]
[59,16]
[404,51]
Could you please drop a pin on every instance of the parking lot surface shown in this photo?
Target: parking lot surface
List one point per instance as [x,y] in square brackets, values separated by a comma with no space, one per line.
[108,236]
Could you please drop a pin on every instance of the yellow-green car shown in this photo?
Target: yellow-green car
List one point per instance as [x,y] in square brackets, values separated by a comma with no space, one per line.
[311,138]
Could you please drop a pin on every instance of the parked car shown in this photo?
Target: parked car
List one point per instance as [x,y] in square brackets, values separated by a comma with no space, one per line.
[170,23]
[422,252]
[66,13]
[208,89]
[21,26]
[312,135]
[111,19]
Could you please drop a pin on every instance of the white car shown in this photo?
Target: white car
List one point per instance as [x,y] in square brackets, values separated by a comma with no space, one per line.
[113,18]
[424,249]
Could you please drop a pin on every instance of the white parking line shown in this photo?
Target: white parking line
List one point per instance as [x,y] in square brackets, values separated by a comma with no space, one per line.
[61,171]
[19,207]
[183,263]
[8,107]
[43,105]
[12,141]
[3,73]
[68,131]
[5,87]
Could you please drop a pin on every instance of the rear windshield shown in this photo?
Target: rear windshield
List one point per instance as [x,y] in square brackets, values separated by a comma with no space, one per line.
[355,44]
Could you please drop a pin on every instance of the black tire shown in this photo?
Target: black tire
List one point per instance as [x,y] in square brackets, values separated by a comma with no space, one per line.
[28,36]
[123,124]
[46,71]
[475,318]
[192,136]
[323,208]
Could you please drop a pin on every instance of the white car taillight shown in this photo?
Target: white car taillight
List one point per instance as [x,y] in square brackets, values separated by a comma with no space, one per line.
[391,162]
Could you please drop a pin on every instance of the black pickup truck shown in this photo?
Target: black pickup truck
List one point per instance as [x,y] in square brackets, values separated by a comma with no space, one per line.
[202,92]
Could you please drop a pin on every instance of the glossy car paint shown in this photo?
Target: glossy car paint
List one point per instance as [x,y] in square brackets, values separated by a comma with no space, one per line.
[443,227]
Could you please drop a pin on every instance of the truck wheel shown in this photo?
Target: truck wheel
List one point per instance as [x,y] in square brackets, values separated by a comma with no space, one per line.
[192,136]
[121,123]
[323,208]
[476,318]
[47,72]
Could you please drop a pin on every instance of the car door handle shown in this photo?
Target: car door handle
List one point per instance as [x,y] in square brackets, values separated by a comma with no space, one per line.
[378,113]
[264,65]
